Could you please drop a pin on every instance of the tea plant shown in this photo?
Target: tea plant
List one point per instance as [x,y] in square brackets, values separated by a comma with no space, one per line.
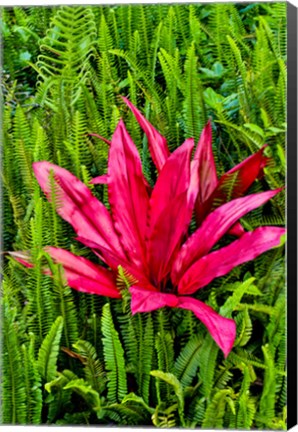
[74,358]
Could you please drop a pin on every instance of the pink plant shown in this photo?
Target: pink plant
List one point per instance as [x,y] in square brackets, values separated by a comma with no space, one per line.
[146,231]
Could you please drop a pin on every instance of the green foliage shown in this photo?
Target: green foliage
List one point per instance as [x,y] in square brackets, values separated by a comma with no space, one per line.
[93,368]
[172,381]
[114,358]
[72,358]
[84,390]
[14,398]
[48,352]
[186,364]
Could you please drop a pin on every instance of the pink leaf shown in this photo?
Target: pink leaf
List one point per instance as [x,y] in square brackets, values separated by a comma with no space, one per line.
[114,261]
[156,142]
[147,300]
[222,261]
[128,196]
[206,168]
[103,179]
[222,330]
[214,227]
[234,183]
[194,184]
[248,170]
[167,236]
[76,204]
[237,230]
[170,211]
[82,275]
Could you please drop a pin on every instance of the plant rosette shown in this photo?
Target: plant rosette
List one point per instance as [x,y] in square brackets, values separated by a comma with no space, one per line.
[146,231]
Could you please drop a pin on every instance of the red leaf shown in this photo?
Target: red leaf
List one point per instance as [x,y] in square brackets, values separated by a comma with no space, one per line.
[170,211]
[82,275]
[241,177]
[248,170]
[147,300]
[114,261]
[222,330]
[76,204]
[206,168]
[222,261]
[103,179]
[156,142]
[128,196]
[214,227]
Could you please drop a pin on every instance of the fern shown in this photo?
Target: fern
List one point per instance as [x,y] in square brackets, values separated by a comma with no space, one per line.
[32,381]
[48,352]
[207,363]
[84,390]
[14,401]
[114,358]
[172,381]
[93,368]
[194,114]
[267,401]
[233,301]
[247,405]
[186,364]
[144,355]
[125,414]
[216,409]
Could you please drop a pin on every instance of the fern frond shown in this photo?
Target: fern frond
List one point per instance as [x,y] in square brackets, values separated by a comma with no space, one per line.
[186,364]
[83,389]
[48,352]
[247,405]
[32,381]
[207,363]
[114,358]
[267,401]
[172,381]
[194,109]
[14,398]
[94,372]
[215,411]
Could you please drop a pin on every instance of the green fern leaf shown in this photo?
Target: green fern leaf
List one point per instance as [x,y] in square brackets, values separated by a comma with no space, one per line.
[83,389]
[114,358]
[171,380]
[186,364]
[93,368]
[48,352]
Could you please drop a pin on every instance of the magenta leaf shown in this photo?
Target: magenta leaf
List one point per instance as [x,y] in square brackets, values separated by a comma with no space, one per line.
[103,179]
[206,168]
[156,142]
[222,261]
[234,183]
[82,275]
[128,196]
[223,330]
[214,227]
[76,204]
[170,211]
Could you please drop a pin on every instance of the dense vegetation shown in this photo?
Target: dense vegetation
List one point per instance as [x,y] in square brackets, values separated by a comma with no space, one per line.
[74,358]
